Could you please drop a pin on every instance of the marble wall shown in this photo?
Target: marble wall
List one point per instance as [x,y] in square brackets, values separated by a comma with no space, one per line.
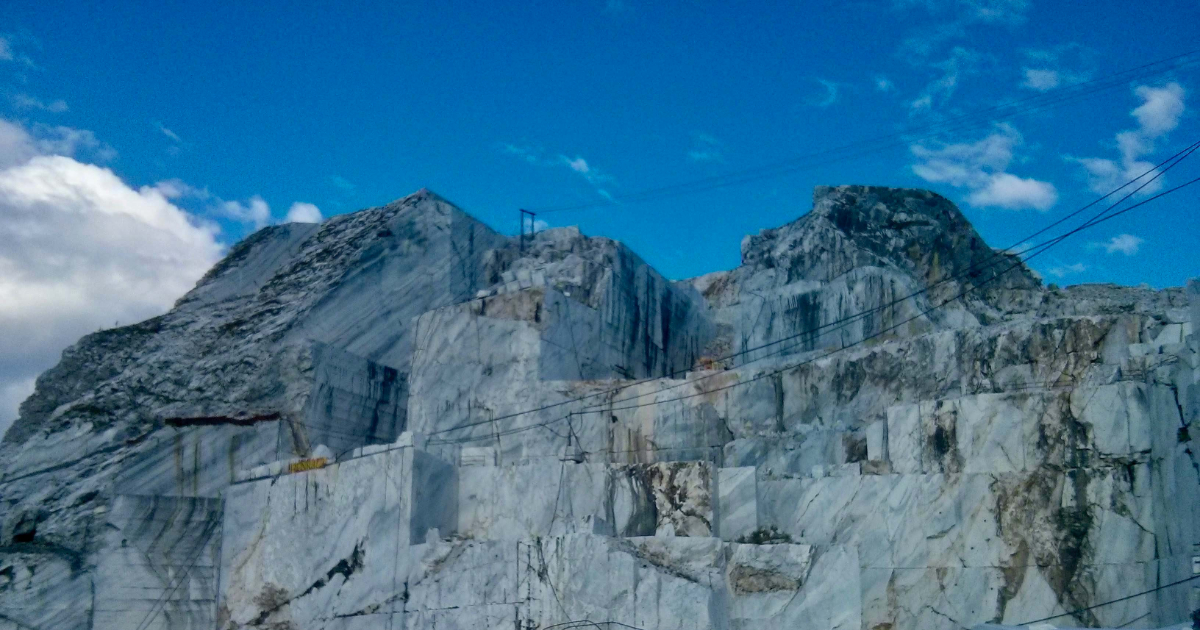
[158,566]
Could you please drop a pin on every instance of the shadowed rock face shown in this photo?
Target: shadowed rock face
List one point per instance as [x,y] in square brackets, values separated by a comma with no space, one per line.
[931,437]
[916,232]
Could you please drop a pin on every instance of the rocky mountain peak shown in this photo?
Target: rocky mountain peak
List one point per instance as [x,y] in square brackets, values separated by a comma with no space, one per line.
[916,231]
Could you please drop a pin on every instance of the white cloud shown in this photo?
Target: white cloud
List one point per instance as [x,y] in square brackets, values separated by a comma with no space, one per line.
[178,189]
[60,140]
[1004,190]
[590,173]
[1049,68]
[1010,12]
[19,145]
[167,132]
[1067,270]
[1041,80]
[9,45]
[980,168]
[1160,110]
[1127,244]
[530,154]
[1158,115]
[255,211]
[954,20]
[302,212]
[883,84]
[81,250]
[831,93]
[705,148]
[26,102]
[578,165]
[960,63]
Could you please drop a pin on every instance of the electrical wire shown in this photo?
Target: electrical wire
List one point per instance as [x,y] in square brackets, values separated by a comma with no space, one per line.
[1036,249]
[1030,104]
[1114,601]
[997,256]
[1040,247]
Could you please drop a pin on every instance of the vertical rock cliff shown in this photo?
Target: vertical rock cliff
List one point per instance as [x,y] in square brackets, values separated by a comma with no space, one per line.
[400,418]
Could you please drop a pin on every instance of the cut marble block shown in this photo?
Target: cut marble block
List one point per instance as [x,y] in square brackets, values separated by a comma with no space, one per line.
[354,401]
[560,497]
[1004,433]
[289,537]
[877,442]
[792,586]
[652,582]
[537,499]
[1117,415]
[682,493]
[737,502]
[159,565]
[972,520]
[905,438]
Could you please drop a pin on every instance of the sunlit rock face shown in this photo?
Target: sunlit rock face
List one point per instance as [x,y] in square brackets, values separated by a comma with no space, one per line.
[400,418]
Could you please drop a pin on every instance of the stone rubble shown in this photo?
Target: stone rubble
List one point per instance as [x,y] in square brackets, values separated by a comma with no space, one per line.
[399,418]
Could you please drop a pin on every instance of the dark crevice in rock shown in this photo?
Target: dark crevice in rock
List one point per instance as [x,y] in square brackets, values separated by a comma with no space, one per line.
[203,421]
[273,598]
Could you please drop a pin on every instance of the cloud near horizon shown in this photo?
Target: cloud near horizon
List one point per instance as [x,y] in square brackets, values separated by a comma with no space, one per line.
[302,212]
[1127,244]
[980,169]
[1063,271]
[83,250]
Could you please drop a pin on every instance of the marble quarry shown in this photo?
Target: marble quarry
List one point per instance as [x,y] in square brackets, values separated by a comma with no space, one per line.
[399,418]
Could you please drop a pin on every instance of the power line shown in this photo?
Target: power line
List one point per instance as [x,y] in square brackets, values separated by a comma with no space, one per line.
[766,374]
[1031,104]
[1178,157]
[880,333]
[1041,247]
[1115,601]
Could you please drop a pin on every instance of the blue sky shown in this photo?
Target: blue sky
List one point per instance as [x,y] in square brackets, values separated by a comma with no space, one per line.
[230,114]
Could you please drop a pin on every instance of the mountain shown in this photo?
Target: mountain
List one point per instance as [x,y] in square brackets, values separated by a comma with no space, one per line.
[400,416]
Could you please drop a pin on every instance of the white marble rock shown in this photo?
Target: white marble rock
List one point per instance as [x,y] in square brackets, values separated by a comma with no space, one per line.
[529,436]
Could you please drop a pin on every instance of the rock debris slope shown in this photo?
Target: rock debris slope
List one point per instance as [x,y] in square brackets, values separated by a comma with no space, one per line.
[401,419]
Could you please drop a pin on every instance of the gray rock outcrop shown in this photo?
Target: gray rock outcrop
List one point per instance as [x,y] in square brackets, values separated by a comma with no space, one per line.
[400,418]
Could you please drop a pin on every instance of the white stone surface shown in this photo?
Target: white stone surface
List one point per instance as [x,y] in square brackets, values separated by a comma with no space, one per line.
[161,564]
[1021,451]
[877,441]
[737,503]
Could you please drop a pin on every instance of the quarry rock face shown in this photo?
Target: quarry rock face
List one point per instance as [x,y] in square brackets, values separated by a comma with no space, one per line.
[399,418]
